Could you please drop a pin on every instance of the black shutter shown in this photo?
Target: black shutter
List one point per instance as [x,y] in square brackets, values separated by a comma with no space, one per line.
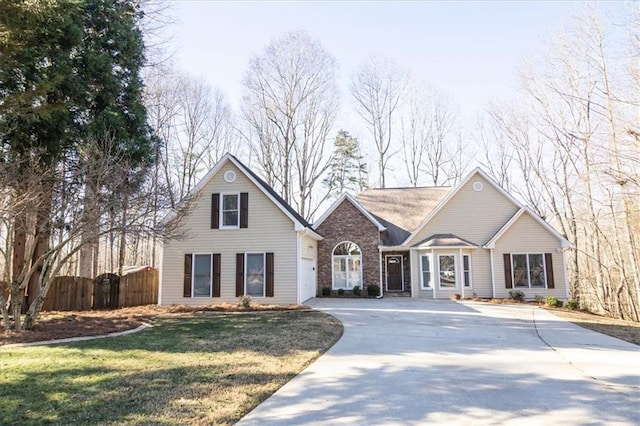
[244,210]
[216,275]
[215,211]
[186,291]
[269,278]
[239,274]
[549,266]
[508,282]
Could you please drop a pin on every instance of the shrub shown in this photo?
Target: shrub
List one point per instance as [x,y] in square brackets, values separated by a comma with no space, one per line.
[357,291]
[572,304]
[540,300]
[373,290]
[517,295]
[554,303]
[244,301]
[326,291]
[340,292]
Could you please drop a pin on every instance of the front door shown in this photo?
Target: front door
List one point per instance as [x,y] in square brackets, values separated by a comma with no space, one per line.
[394,273]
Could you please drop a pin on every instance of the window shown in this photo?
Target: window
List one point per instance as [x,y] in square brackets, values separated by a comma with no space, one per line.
[255,278]
[466,266]
[230,210]
[347,266]
[447,266]
[201,275]
[255,274]
[529,270]
[425,261]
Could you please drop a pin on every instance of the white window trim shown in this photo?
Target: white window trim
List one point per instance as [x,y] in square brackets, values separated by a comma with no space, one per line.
[428,286]
[470,272]
[221,214]
[455,271]
[193,274]
[264,273]
[386,269]
[347,257]
[529,286]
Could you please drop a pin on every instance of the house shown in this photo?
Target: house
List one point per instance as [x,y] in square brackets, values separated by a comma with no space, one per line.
[239,238]
[474,239]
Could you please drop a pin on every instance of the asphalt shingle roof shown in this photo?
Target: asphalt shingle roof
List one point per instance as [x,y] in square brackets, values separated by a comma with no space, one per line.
[401,210]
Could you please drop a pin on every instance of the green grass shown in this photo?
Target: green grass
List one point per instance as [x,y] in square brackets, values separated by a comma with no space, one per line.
[191,369]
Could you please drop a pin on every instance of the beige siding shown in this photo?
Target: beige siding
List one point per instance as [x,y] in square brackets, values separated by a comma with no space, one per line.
[309,248]
[270,230]
[472,215]
[526,235]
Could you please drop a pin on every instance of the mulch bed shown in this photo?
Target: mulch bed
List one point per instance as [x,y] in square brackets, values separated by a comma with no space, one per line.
[62,325]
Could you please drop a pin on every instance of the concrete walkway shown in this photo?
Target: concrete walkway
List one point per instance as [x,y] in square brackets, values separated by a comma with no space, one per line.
[404,361]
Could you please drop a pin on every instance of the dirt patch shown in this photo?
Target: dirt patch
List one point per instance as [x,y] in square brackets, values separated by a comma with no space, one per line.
[628,331]
[62,325]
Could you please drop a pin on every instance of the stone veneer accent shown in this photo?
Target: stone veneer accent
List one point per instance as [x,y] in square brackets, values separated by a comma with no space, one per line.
[347,223]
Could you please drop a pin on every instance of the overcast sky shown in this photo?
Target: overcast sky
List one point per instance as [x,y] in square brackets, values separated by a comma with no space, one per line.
[470,50]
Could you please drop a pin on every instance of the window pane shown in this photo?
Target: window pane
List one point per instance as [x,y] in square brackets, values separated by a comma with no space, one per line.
[447,271]
[339,272]
[467,270]
[347,248]
[255,275]
[354,272]
[230,202]
[426,271]
[230,218]
[520,278]
[202,275]
[536,270]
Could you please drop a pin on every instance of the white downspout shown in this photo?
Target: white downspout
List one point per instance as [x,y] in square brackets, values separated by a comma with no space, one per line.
[381,294]
[298,264]
[566,276]
[493,275]
[461,263]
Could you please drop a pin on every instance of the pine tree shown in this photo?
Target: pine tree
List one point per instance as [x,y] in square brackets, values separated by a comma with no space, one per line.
[348,171]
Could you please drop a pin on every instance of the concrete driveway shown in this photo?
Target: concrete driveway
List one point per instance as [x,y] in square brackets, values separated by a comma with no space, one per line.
[404,361]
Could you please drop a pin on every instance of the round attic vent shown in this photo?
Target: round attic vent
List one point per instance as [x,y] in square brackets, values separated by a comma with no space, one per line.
[229,176]
[477,186]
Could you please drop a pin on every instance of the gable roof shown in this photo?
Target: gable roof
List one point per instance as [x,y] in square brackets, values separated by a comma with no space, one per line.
[564,243]
[445,240]
[299,222]
[401,210]
[453,192]
[356,204]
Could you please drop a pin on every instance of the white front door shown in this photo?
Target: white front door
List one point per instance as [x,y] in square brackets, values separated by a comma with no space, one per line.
[308,276]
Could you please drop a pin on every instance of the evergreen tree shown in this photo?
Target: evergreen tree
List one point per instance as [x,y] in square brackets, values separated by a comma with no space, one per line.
[70,104]
[348,171]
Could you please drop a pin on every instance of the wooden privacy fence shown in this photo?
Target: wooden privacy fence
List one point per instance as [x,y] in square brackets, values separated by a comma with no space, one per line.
[107,291]
[69,294]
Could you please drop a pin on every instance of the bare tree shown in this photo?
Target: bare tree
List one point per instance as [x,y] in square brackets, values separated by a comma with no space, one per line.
[574,156]
[377,88]
[290,104]
[431,146]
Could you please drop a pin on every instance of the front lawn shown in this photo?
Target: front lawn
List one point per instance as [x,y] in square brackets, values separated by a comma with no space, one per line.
[187,369]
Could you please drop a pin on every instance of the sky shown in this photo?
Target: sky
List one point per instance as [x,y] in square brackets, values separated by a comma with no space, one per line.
[471,51]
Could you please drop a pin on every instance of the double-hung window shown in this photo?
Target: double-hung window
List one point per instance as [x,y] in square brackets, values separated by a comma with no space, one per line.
[229,210]
[425,262]
[466,269]
[255,274]
[529,270]
[447,268]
